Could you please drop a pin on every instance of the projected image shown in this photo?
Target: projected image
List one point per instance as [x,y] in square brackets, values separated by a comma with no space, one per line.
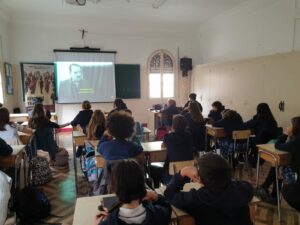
[78,81]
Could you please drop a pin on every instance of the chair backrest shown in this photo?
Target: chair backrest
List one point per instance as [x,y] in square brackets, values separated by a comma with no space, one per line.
[99,161]
[175,167]
[25,139]
[241,134]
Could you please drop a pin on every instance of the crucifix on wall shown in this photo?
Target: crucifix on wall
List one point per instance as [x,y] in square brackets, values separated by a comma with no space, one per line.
[83,34]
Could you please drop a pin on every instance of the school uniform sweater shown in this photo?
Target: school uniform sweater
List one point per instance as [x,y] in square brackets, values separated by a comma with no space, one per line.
[227,206]
[198,103]
[215,115]
[118,149]
[292,146]
[5,149]
[82,118]
[169,112]
[157,213]
[228,126]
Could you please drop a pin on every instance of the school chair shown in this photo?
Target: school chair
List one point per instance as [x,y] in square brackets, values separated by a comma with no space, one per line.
[175,167]
[241,146]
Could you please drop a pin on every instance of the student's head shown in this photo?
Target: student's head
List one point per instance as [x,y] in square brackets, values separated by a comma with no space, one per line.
[1,105]
[193,96]
[119,104]
[233,117]
[4,118]
[263,111]
[128,111]
[86,105]
[75,73]
[97,119]
[120,125]
[171,102]
[296,126]
[214,171]
[38,111]
[217,106]
[179,123]
[195,112]
[128,181]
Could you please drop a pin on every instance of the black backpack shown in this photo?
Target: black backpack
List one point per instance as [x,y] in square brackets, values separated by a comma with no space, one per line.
[31,205]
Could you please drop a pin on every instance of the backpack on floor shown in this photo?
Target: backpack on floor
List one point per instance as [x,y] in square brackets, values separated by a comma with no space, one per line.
[62,158]
[40,170]
[31,205]
[160,133]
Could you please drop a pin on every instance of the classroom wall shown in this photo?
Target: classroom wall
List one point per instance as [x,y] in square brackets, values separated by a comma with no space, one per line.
[33,40]
[253,28]
[242,84]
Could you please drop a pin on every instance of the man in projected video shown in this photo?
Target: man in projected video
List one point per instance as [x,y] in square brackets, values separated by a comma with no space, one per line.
[71,88]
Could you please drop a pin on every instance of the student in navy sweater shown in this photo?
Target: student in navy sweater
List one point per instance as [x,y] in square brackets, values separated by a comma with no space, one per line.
[113,144]
[179,146]
[221,200]
[196,126]
[215,113]
[136,204]
[232,121]
[192,98]
[288,142]
[5,149]
[83,117]
[169,111]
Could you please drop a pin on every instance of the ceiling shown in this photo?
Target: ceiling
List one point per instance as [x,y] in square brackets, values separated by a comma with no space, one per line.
[172,11]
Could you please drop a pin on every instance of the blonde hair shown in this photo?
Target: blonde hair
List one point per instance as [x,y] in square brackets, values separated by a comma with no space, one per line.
[195,112]
[98,119]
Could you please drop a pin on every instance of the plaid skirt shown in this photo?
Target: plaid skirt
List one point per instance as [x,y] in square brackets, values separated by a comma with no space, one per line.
[289,175]
[227,147]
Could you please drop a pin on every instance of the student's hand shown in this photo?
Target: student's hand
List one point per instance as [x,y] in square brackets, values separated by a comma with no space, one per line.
[151,196]
[101,215]
[190,172]
[289,131]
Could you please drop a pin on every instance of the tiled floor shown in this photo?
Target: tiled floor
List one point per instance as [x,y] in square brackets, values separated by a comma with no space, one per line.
[61,192]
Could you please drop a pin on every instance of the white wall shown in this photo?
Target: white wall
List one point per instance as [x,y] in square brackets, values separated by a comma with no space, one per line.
[253,28]
[33,40]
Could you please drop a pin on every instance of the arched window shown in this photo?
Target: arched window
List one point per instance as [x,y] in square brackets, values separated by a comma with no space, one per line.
[161,75]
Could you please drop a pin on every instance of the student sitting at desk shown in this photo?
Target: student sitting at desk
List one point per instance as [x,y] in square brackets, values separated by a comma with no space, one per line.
[231,121]
[215,112]
[292,146]
[96,126]
[192,98]
[113,144]
[179,146]
[9,130]
[136,204]
[83,117]
[119,105]
[264,127]
[196,126]
[169,111]
[5,149]
[221,200]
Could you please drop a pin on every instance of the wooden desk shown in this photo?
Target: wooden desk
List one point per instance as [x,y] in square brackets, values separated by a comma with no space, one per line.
[23,117]
[14,160]
[215,132]
[276,158]
[78,138]
[154,151]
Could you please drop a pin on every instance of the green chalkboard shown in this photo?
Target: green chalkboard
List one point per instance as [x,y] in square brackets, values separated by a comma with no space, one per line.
[128,81]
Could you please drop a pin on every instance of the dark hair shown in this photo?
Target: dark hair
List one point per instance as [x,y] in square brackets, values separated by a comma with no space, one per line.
[1,104]
[264,114]
[214,171]
[171,102]
[218,105]
[120,125]
[128,111]
[86,105]
[38,117]
[73,65]
[119,104]
[179,123]
[127,181]
[4,118]
[195,112]
[233,117]
[296,126]
[193,96]
[97,120]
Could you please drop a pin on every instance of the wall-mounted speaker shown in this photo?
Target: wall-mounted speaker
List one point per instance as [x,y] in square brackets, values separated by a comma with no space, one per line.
[185,65]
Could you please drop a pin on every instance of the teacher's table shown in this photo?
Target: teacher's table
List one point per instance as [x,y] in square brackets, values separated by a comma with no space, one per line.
[277,158]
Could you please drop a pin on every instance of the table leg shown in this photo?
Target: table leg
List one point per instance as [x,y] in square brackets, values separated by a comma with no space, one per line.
[257,169]
[206,140]
[75,167]
[16,172]
[278,193]
[25,164]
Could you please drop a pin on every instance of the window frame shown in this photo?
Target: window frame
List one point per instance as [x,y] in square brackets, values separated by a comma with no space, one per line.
[161,73]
